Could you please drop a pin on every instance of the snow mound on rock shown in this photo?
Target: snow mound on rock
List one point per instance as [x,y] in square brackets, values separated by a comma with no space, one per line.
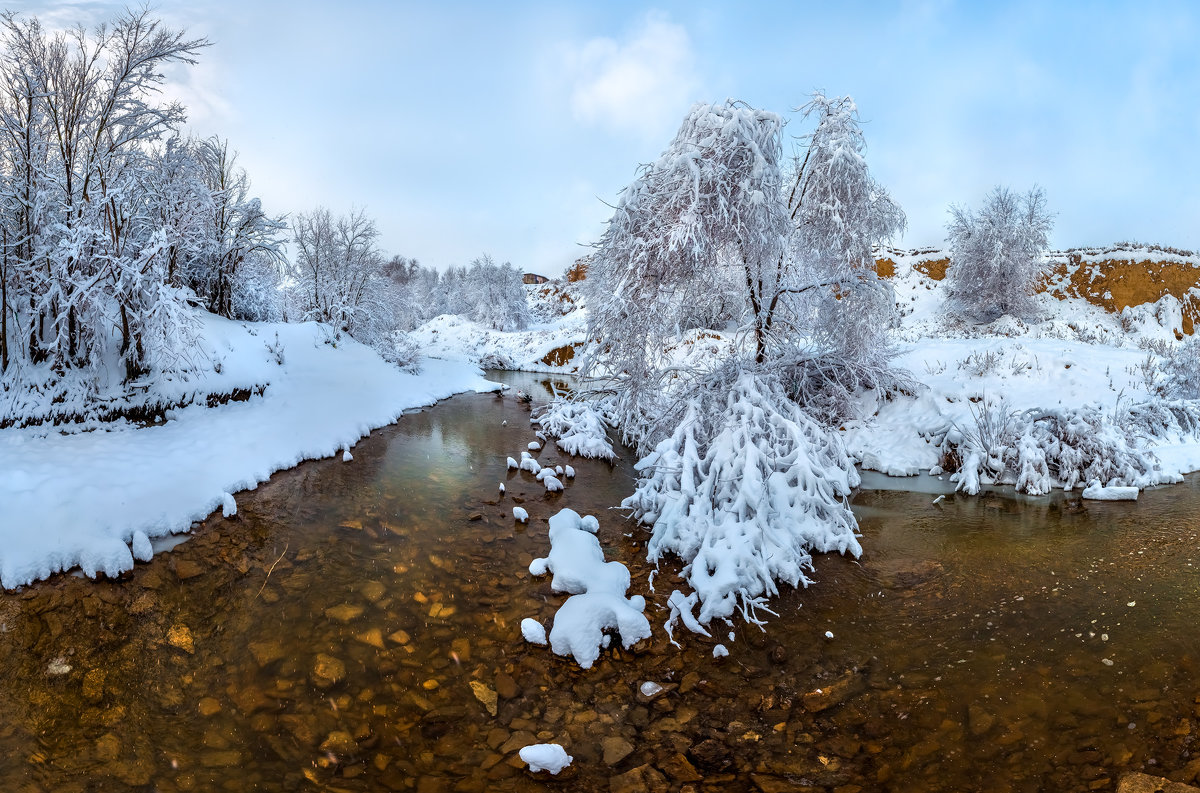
[597,604]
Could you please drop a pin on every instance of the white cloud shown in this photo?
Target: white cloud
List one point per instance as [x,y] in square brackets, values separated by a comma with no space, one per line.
[643,84]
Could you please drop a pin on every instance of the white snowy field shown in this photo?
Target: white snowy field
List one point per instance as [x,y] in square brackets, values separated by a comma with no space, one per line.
[459,339]
[1071,355]
[93,499]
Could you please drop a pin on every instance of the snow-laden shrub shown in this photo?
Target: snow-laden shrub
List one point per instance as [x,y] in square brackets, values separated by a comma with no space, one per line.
[1038,450]
[577,427]
[1181,370]
[402,351]
[829,387]
[742,490]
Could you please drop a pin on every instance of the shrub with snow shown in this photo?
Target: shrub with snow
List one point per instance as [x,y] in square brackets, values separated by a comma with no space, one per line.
[1038,450]
[1181,370]
[743,494]
[577,427]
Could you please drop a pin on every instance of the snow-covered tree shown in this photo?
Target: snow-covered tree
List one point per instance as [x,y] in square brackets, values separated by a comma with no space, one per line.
[840,213]
[80,116]
[743,476]
[997,254]
[338,278]
[495,295]
[247,243]
[714,229]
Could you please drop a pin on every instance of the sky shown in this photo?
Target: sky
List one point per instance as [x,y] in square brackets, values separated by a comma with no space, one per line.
[511,128]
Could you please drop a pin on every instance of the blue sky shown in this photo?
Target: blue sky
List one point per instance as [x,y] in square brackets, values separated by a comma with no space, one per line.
[504,127]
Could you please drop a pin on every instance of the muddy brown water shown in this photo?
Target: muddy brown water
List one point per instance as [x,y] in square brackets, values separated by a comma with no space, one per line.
[356,628]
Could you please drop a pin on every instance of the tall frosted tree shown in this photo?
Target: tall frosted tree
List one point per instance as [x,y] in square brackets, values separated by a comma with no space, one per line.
[717,218]
[997,254]
[741,476]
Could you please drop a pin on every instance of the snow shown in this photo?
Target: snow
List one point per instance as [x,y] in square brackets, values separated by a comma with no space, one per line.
[597,588]
[1072,388]
[520,514]
[228,505]
[720,651]
[78,499]
[347,456]
[1095,492]
[513,463]
[533,631]
[546,757]
[455,338]
[553,485]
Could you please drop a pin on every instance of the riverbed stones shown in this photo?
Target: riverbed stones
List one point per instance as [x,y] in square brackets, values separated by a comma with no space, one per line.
[186,568]
[834,693]
[506,687]
[643,779]
[108,747]
[374,591]
[485,695]
[180,636]
[327,671]
[208,706]
[1144,783]
[93,685]
[267,652]
[372,637]
[615,749]
[979,721]
[344,613]
[339,742]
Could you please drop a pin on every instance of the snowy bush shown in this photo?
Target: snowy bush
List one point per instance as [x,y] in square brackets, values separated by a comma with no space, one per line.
[996,254]
[577,428]
[1038,450]
[1180,371]
[742,495]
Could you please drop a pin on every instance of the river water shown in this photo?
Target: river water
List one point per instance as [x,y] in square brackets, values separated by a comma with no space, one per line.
[356,627]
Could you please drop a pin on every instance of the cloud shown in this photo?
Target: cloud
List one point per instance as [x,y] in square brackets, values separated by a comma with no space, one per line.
[641,85]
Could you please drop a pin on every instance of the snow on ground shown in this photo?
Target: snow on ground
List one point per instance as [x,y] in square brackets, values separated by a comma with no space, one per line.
[1073,356]
[459,339]
[80,499]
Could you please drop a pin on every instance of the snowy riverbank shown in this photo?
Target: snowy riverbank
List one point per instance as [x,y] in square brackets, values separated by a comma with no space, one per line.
[84,499]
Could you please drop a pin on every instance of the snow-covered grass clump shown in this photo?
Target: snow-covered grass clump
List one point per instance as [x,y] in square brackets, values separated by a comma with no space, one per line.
[742,499]
[82,499]
[598,604]
[1038,450]
[577,427]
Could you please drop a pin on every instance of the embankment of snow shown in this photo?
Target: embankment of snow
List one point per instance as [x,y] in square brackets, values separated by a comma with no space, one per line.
[80,499]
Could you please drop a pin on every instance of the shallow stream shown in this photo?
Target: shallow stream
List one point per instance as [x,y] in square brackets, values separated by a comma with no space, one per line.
[356,627]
